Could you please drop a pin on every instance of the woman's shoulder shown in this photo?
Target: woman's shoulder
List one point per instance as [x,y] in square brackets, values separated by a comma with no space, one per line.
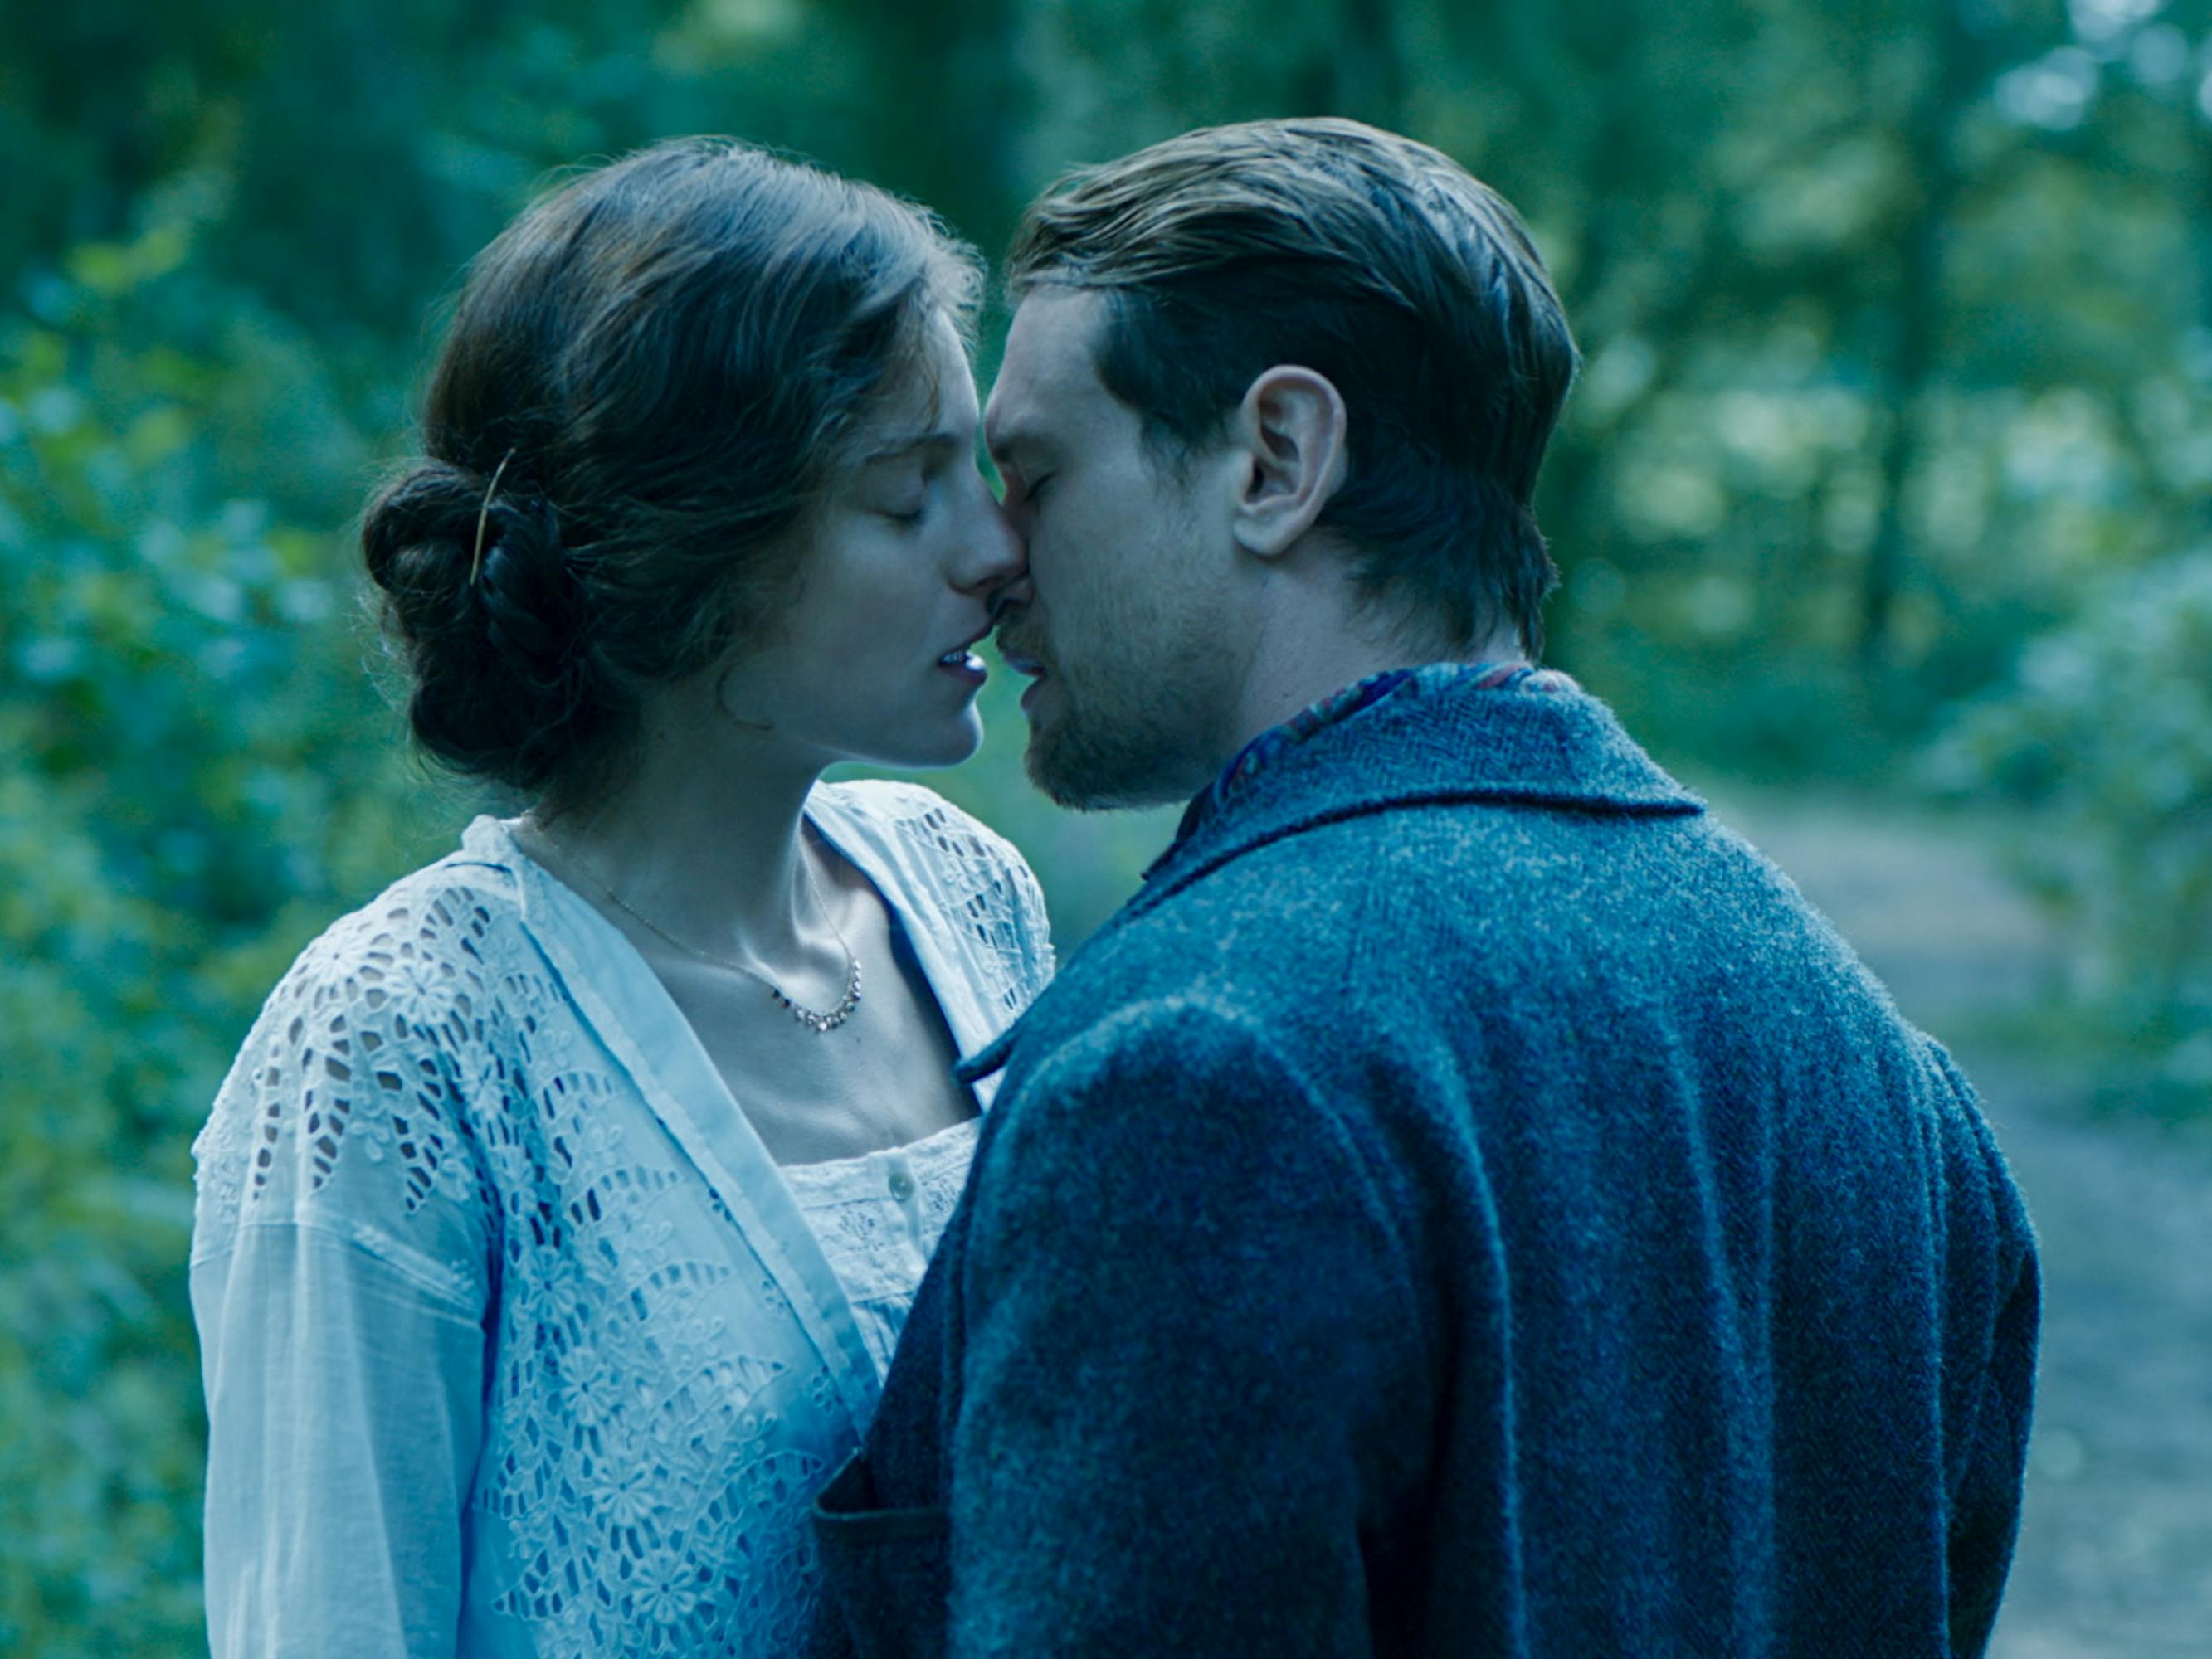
[424,965]
[917,826]
[952,860]
[916,815]
[349,1103]
[434,929]
[911,820]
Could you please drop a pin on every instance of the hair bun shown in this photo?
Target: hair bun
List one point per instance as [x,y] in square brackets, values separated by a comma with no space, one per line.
[525,588]
[478,591]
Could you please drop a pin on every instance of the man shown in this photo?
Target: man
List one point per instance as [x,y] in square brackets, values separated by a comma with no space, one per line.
[1466,1203]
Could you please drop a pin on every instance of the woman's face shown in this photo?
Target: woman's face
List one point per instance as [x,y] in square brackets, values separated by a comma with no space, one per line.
[873,660]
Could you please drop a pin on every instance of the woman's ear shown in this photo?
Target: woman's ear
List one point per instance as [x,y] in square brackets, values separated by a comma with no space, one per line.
[1289,437]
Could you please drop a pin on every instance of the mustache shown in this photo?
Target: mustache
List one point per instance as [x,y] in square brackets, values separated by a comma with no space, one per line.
[1014,634]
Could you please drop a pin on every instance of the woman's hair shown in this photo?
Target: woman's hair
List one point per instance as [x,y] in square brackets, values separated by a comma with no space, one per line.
[649,377]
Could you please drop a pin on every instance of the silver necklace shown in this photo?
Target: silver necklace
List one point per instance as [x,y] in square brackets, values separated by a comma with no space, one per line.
[817,1020]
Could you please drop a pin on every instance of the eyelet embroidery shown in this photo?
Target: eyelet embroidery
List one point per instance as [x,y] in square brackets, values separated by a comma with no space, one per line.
[420,1082]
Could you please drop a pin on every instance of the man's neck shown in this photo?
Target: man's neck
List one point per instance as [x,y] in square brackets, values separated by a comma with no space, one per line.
[1310,652]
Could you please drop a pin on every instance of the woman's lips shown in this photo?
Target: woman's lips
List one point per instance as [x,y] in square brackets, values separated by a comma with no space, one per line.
[965,666]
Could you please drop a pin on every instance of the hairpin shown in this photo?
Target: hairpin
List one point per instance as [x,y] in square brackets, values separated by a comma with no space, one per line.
[483,513]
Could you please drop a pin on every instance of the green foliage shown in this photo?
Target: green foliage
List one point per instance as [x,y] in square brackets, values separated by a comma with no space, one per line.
[188,786]
[1899,319]
[2103,740]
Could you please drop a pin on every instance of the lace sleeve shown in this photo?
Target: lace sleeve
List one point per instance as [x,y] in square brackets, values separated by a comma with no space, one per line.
[341,1284]
[347,1109]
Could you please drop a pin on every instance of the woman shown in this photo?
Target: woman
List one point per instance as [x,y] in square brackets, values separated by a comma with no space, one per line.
[557,1219]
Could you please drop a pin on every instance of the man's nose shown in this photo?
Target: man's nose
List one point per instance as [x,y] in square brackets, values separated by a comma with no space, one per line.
[1015,595]
[996,558]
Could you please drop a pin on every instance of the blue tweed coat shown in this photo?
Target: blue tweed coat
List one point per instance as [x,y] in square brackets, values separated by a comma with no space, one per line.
[1468,1203]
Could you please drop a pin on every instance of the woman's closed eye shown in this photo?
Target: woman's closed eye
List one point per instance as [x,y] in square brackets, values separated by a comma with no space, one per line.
[905,502]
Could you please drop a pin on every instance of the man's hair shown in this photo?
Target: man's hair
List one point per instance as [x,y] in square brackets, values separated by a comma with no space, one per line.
[1373,260]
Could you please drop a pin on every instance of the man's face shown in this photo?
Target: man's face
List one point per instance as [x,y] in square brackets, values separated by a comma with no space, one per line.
[1126,624]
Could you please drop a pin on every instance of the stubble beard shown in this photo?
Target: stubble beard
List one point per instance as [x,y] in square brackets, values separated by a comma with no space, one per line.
[1094,764]
[1126,734]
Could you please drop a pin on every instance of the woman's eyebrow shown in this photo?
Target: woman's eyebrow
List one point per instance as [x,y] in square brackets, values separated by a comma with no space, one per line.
[898,445]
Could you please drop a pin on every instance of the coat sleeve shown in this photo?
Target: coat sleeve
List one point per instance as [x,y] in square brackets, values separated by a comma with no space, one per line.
[1190,1339]
[1994,1293]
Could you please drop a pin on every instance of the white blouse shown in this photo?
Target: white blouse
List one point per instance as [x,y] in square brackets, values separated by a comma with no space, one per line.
[515,1339]
[878,1216]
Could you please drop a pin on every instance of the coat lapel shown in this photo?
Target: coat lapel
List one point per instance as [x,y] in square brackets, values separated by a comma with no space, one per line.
[1461,745]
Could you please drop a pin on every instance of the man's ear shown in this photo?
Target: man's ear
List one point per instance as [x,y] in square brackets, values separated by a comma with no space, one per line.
[1288,436]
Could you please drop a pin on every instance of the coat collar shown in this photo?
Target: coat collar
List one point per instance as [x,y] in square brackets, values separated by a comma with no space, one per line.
[1460,744]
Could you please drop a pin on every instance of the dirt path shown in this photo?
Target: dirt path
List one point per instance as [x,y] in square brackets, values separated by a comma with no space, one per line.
[2115,1557]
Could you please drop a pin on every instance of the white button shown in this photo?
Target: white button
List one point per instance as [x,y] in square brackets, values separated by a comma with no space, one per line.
[902,1185]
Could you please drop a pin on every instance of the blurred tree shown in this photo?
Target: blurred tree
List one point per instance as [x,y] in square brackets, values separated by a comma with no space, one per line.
[189,782]
[2104,737]
[1930,161]
[1898,324]
[1361,71]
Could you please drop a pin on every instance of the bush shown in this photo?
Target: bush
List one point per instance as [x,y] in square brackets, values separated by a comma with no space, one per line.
[2104,737]
[192,780]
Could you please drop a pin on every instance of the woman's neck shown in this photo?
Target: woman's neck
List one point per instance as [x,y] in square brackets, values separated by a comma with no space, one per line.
[702,838]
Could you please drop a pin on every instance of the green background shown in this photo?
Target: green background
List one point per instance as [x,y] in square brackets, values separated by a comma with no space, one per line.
[1891,472]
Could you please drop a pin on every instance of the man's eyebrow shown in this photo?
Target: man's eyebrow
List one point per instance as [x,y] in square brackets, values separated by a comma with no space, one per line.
[897,446]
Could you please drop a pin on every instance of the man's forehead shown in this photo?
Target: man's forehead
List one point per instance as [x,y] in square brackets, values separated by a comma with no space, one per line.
[1047,365]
